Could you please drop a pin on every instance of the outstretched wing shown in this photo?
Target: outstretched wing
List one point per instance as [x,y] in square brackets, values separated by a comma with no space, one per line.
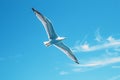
[66,50]
[47,24]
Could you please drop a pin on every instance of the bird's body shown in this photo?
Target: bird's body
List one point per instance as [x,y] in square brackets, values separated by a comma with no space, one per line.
[54,39]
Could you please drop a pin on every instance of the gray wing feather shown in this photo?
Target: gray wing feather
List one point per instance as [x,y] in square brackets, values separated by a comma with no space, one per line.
[47,25]
[66,50]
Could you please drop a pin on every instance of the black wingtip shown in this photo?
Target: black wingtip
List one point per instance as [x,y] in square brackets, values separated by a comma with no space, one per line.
[33,9]
[77,62]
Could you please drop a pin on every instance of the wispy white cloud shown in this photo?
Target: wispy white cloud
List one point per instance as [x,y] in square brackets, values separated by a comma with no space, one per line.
[99,62]
[116,67]
[98,36]
[117,49]
[64,73]
[110,42]
[93,64]
[77,70]
[110,55]
[115,78]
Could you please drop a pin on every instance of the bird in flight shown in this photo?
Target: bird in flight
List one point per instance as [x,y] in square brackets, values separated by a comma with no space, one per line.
[54,39]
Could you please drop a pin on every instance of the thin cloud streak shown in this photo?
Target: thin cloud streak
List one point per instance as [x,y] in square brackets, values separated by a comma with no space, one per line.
[109,43]
[93,64]
[102,62]
[63,73]
[98,38]
[116,67]
[115,77]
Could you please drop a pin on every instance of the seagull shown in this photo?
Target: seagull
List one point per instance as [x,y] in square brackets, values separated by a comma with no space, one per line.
[54,39]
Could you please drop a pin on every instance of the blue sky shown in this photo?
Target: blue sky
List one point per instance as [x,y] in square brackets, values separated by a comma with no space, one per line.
[91,28]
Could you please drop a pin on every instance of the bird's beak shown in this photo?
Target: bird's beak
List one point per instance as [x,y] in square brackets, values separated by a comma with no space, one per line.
[33,9]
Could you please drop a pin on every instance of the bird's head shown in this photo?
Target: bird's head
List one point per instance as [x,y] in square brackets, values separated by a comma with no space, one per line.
[61,38]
